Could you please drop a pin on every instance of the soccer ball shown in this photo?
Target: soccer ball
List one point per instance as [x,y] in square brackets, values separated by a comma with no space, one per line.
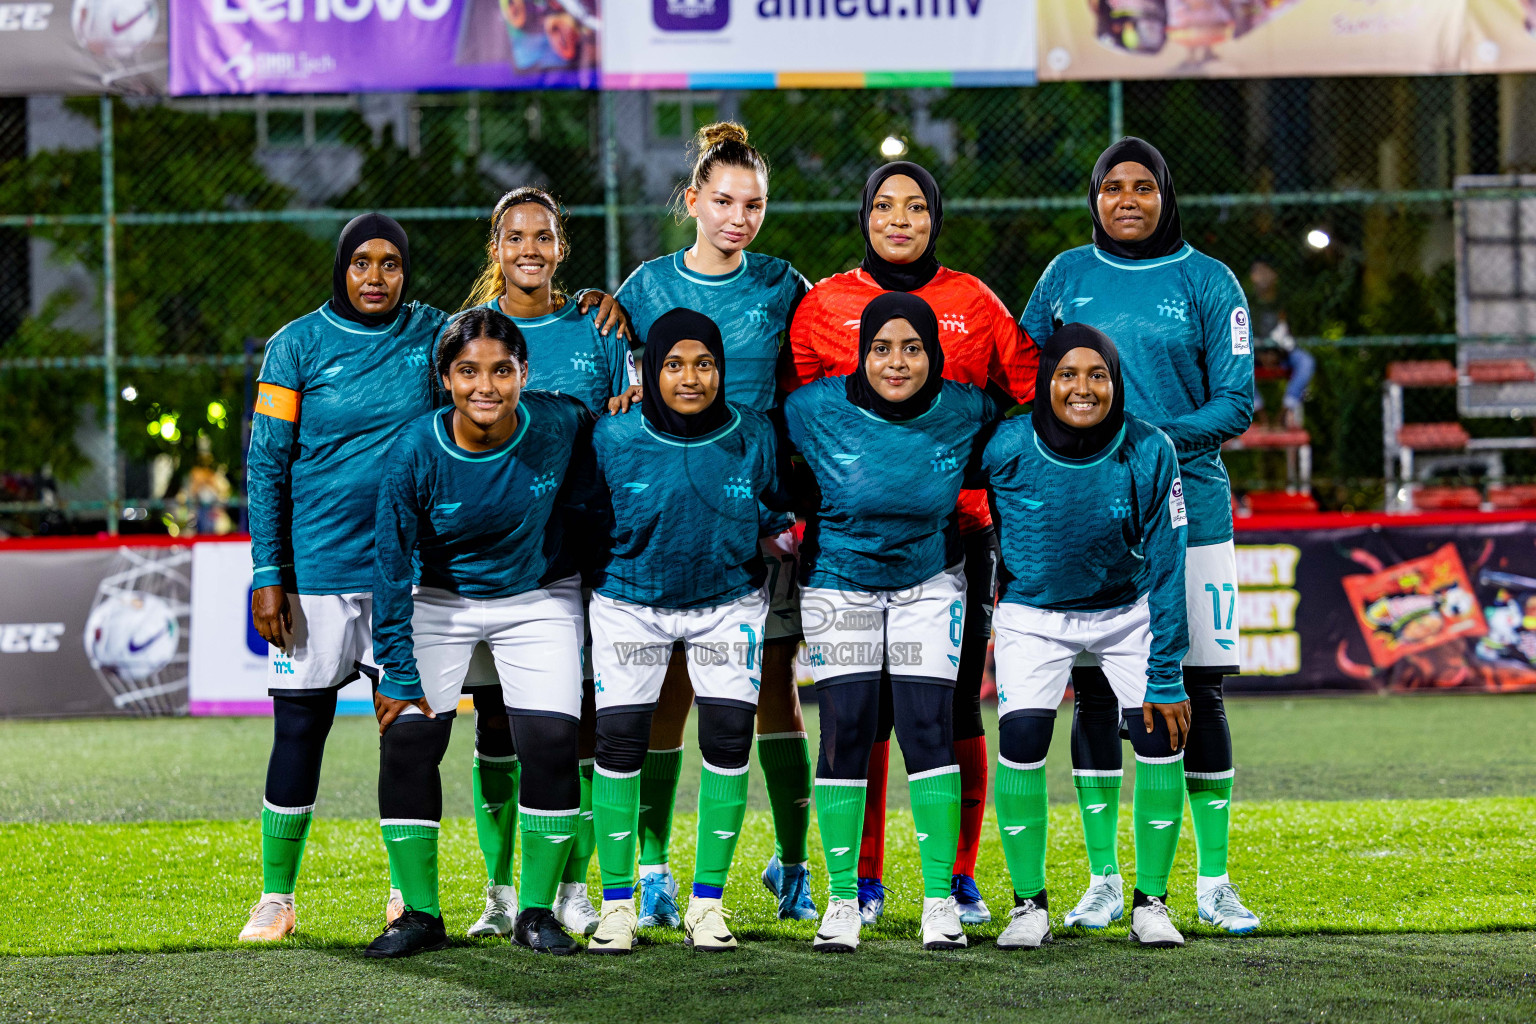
[133,634]
[115,29]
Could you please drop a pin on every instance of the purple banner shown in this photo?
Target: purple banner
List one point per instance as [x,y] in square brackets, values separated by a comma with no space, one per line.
[305,46]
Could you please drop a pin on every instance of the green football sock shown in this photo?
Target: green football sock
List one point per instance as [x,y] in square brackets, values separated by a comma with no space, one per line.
[615,824]
[1021,818]
[722,808]
[658,793]
[547,840]
[1098,801]
[786,761]
[1158,812]
[412,847]
[283,837]
[586,837]
[936,813]
[495,795]
[840,819]
[1210,809]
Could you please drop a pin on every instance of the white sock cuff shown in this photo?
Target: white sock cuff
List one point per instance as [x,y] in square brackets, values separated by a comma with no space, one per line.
[1095,773]
[949,769]
[725,771]
[861,783]
[1005,763]
[423,822]
[781,736]
[1175,759]
[540,812]
[666,750]
[495,758]
[269,805]
[1229,773]
[598,769]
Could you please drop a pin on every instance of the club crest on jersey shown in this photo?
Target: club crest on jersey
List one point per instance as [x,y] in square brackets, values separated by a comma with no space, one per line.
[953,322]
[737,487]
[1177,309]
[758,314]
[544,483]
[583,362]
[1120,508]
[944,460]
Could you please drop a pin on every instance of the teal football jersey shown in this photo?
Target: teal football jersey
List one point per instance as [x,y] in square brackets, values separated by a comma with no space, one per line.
[752,306]
[480,524]
[1095,534]
[684,515]
[1181,325]
[568,355]
[331,396]
[886,517]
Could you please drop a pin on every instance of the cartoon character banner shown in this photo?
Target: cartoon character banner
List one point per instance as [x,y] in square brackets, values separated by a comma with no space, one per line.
[1389,606]
[306,46]
[90,46]
[1105,39]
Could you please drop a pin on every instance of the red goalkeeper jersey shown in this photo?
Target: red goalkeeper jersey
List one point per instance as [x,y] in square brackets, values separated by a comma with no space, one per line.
[982,342]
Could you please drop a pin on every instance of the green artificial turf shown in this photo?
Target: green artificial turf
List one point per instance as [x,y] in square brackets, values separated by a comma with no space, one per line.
[1387,842]
[1317,748]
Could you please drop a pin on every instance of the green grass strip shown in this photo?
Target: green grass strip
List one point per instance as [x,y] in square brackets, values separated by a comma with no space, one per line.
[1306,867]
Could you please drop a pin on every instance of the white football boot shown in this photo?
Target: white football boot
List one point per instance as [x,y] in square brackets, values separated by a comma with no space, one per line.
[1219,905]
[839,929]
[1150,925]
[704,926]
[500,912]
[1029,925]
[616,928]
[574,910]
[941,924]
[1102,903]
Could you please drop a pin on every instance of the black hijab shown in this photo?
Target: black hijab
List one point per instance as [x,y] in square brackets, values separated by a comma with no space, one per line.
[902,277]
[669,329]
[358,231]
[881,310]
[1068,441]
[1168,237]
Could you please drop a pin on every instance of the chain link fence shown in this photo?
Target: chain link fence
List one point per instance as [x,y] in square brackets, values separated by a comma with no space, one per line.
[132,316]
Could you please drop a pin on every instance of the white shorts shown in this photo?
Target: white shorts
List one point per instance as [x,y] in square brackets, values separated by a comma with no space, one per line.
[1210,598]
[852,634]
[534,639]
[330,644]
[1210,602]
[781,554]
[1035,649]
[631,645]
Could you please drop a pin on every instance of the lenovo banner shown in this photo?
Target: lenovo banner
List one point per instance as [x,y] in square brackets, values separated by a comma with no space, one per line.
[246,46]
[88,46]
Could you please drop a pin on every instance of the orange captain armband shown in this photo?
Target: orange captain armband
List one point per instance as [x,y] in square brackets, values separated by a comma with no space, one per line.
[277,402]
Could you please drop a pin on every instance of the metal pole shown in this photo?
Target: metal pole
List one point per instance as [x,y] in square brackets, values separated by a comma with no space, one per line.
[610,193]
[109,311]
[1116,112]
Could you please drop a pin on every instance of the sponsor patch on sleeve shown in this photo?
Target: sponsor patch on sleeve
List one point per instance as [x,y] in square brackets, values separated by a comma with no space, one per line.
[277,402]
[629,364]
[1176,510]
[1240,345]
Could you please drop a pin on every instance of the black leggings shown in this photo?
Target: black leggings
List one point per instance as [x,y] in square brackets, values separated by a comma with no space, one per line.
[981,561]
[850,712]
[1096,727]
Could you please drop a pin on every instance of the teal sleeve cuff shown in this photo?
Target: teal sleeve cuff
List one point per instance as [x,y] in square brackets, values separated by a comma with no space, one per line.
[266,576]
[411,689]
[1171,692]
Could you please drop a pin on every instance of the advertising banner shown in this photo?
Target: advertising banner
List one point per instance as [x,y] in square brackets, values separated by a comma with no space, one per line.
[1437,603]
[766,44]
[306,46]
[90,46]
[1106,39]
[228,656]
[98,630]
[1501,36]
